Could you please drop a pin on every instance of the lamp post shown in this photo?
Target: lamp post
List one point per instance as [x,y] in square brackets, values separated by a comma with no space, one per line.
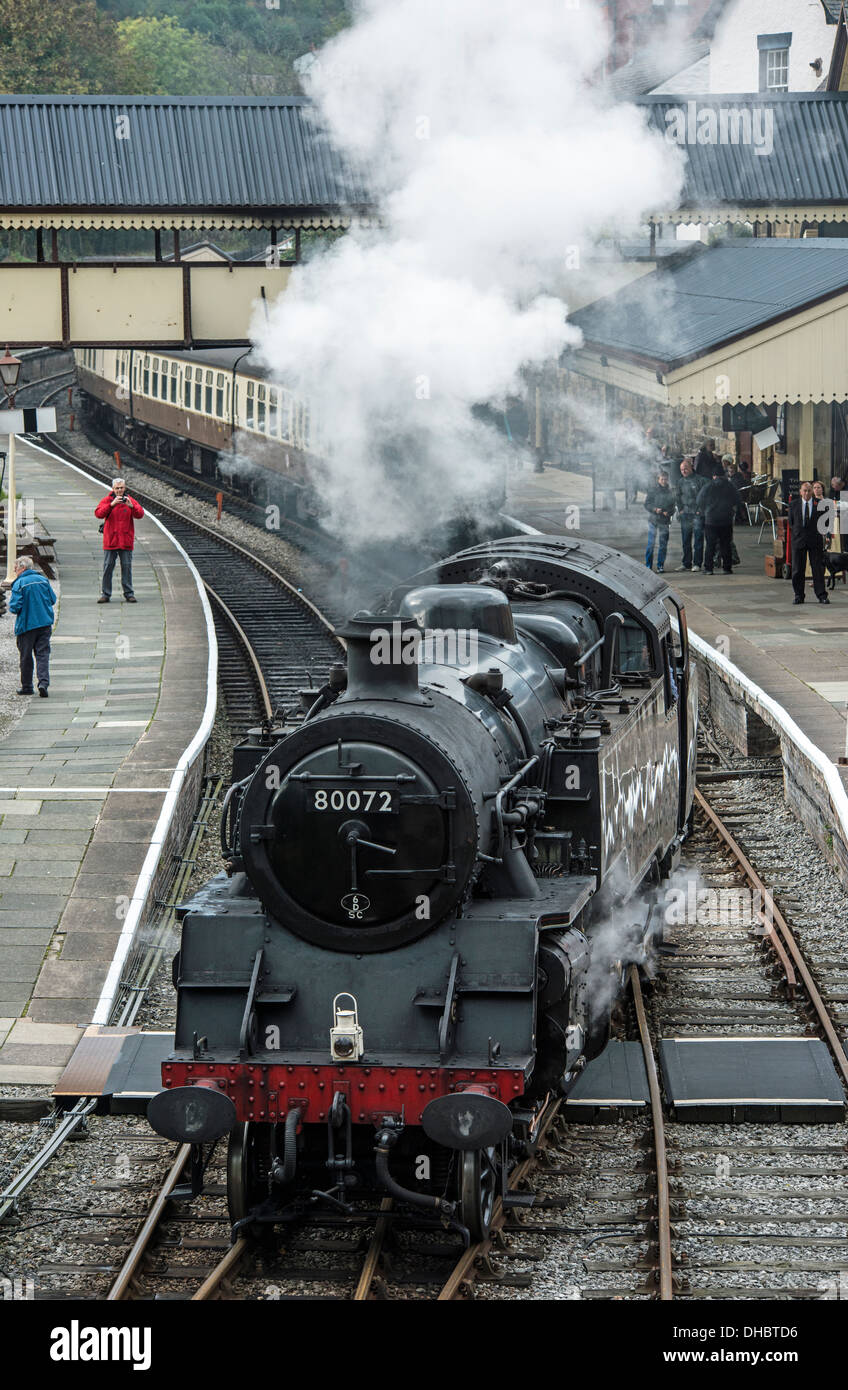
[10,370]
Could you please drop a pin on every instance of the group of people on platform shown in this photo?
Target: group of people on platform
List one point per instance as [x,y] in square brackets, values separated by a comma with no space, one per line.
[32,598]
[706,497]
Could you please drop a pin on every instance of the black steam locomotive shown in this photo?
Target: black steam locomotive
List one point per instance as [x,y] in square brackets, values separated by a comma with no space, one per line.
[422,925]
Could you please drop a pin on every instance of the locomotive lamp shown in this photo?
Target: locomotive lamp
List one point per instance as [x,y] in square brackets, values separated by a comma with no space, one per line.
[346,1043]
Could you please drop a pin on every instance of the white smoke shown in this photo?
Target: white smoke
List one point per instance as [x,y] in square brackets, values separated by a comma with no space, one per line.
[494,163]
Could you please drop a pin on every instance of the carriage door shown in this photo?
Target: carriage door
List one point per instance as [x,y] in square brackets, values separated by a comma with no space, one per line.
[678,656]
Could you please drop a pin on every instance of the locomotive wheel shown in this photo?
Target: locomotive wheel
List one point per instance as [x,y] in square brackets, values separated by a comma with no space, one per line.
[248,1165]
[478,1188]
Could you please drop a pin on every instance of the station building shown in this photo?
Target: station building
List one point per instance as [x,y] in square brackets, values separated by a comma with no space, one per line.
[723,339]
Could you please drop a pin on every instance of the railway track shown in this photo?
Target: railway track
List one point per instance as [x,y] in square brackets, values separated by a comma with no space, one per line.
[753,1211]
[326,1257]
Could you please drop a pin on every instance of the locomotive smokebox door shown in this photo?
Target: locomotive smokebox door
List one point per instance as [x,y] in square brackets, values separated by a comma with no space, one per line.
[467,1120]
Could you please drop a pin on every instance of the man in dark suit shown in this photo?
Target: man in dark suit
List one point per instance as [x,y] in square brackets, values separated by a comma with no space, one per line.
[807,540]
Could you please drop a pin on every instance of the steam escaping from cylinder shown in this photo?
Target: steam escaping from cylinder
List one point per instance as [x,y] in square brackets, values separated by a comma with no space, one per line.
[493,159]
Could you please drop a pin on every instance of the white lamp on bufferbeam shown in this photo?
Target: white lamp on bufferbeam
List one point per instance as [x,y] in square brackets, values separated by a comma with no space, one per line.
[10,370]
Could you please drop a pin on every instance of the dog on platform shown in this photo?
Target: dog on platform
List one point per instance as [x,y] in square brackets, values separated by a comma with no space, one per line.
[835,562]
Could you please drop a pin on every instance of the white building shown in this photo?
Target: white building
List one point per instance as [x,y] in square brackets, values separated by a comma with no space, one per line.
[761,46]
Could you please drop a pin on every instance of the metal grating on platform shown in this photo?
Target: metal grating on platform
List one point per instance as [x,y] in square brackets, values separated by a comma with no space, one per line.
[122,1066]
[736,1080]
[615,1080]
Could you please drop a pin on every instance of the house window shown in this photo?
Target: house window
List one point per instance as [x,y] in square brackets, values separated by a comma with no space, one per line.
[774,62]
[777,70]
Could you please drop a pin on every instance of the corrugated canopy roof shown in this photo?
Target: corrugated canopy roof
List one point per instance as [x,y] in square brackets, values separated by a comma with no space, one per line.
[168,153]
[674,315]
[803,138]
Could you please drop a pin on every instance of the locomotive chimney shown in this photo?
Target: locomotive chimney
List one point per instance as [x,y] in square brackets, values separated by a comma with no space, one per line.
[382,658]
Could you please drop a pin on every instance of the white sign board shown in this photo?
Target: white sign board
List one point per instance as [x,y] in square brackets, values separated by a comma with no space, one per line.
[34,421]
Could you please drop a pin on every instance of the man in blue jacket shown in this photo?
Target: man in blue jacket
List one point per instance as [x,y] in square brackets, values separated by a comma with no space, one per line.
[32,599]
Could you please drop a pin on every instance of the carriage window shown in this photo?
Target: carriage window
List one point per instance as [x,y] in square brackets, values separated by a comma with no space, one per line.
[304,428]
[154,380]
[145,381]
[136,370]
[260,409]
[187,396]
[219,395]
[273,410]
[227,399]
[209,380]
[198,390]
[285,416]
[174,382]
[250,408]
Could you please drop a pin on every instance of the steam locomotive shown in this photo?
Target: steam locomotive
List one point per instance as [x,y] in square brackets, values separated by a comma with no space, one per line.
[423,920]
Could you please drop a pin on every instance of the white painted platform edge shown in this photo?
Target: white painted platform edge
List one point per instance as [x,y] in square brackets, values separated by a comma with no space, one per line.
[166,815]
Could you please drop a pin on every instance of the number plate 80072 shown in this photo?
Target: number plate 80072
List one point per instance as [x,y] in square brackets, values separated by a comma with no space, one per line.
[350,799]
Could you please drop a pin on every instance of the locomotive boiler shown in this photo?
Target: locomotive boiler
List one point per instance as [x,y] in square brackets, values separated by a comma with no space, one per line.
[422,922]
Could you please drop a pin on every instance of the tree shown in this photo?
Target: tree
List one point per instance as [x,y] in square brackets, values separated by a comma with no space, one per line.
[158,56]
[68,47]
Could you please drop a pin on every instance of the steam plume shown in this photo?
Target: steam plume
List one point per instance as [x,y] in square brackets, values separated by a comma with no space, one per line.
[494,162]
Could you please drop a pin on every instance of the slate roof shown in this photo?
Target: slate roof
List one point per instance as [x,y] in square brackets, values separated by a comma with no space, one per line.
[716,294]
[179,153]
[652,67]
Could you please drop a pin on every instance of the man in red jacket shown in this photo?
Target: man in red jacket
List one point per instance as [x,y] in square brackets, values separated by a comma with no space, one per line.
[119,512]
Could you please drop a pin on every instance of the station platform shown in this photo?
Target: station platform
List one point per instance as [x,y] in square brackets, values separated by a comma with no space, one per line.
[84,774]
[798,655]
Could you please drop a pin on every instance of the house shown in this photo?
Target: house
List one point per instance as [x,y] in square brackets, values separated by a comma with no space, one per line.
[760,46]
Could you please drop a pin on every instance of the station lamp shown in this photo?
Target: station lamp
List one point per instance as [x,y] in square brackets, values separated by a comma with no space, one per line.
[10,370]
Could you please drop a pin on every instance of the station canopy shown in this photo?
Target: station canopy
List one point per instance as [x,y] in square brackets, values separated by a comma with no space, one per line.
[777,157]
[751,320]
[173,164]
[170,162]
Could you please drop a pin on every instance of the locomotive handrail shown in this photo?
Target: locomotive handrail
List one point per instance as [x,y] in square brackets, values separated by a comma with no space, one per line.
[499,799]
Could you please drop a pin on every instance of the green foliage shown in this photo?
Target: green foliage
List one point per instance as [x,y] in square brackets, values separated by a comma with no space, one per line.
[159,57]
[67,47]
[165,47]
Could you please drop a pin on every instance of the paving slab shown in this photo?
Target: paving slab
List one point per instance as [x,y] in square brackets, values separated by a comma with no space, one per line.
[62,1009]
